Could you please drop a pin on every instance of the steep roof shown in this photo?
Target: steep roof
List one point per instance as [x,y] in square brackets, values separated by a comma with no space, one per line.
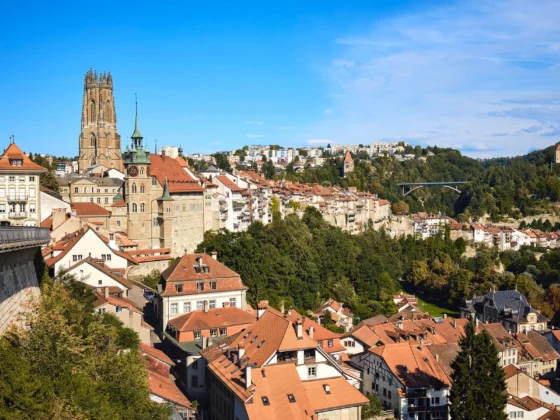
[348,157]
[166,168]
[340,394]
[100,266]
[214,318]
[228,183]
[445,354]
[414,366]
[13,152]
[89,209]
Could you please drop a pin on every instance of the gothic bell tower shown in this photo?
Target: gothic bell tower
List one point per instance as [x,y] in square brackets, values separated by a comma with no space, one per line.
[99,140]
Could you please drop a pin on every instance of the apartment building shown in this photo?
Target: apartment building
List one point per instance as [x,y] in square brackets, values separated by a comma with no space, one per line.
[20,201]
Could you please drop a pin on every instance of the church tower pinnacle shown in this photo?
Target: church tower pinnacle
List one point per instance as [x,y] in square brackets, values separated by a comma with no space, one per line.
[99,142]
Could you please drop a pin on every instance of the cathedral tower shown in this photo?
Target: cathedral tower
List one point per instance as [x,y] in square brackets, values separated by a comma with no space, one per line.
[99,141]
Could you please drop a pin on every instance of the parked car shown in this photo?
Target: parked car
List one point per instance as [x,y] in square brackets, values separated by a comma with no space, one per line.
[148,294]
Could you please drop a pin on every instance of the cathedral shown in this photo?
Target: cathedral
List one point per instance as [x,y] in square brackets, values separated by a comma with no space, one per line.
[99,141]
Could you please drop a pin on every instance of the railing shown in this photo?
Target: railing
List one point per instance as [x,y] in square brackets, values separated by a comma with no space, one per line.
[14,234]
[18,214]
[17,197]
[428,409]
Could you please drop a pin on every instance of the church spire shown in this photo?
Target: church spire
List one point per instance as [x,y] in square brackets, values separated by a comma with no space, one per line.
[136,134]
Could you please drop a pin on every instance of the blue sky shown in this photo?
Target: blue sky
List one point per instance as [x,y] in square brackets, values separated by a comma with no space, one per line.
[481,76]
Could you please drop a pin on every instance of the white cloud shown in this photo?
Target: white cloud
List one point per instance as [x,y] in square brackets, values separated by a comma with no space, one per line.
[254,122]
[327,112]
[254,136]
[487,70]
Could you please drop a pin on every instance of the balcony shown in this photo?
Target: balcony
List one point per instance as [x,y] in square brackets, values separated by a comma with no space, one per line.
[17,198]
[428,409]
[18,214]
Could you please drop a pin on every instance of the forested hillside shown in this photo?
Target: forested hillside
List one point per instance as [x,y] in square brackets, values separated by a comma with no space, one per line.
[502,187]
[301,262]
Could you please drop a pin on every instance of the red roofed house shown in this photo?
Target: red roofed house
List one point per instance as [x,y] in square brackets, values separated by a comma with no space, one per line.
[274,370]
[194,281]
[125,310]
[405,377]
[339,314]
[237,215]
[92,213]
[163,388]
[20,201]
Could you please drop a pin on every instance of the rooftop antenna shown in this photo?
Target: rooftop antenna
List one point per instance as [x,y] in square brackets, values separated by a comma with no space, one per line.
[155,147]
[12,139]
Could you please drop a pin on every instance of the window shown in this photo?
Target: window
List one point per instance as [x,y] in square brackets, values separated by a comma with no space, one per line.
[186,307]
[2,208]
[291,398]
[119,309]
[214,333]
[102,311]
[330,343]
[118,223]
[174,308]
[212,304]
[98,200]
[134,208]
[389,394]
[106,200]
[179,288]
[100,282]
[232,302]
[106,190]
[76,257]
[154,181]
[311,372]
[223,331]
[197,335]
[31,179]
[200,286]
[194,381]
[32,192]
[200,305]
[265,400]
[91,200]
[384,392]
[213,285]
[12,179]
[142,208]
[142,189]
[133,188]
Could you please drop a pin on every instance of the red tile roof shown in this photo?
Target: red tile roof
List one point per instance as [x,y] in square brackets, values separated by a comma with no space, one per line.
[120,203]
[158,354]
[166,168]
[99,265]
[341,394]
[89,209]
[214,318]
[348,157]
[228,183]
[14,152]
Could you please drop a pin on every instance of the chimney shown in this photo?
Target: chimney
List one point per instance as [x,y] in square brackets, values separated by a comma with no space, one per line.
[299,329]
[58,217]
[106,291]
[454,323]
[204,341]
[400,325]
[205,306]
[311,332]
[215,255]
[241,350]
[248,377]
[262,306]
[444,316]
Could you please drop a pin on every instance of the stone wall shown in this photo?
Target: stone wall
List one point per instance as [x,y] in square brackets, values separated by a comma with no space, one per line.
[18,283]
[145,268]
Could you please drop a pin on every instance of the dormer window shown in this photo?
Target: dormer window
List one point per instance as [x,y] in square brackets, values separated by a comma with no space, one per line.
[16,162]
[179,288]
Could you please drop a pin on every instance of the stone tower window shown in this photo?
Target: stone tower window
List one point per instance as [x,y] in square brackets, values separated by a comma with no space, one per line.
[133,188]
[134,208]
[91,111]
[142,188]
[142,207]
[141,171]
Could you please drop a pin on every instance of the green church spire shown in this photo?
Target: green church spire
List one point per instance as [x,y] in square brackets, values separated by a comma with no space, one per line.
[137,134]
[165,196]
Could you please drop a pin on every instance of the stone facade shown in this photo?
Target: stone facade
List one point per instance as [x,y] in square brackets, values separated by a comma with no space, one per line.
[99,141]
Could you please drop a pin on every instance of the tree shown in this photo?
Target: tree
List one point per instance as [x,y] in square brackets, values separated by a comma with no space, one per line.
[222,161]
[479,389]
[372,408]
[400,207]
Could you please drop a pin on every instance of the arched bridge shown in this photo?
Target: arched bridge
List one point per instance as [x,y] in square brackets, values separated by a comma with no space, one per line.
[413,186]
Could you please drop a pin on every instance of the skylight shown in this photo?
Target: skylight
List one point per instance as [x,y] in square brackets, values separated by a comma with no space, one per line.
[265,401]
[291,398]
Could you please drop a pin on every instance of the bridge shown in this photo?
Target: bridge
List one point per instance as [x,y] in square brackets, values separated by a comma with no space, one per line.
[413,186]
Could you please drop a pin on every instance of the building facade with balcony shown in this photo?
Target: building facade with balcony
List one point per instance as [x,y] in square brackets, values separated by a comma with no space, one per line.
[20,200]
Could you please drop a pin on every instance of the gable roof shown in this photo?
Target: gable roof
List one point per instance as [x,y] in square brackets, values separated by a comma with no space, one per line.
[99,265]
[348,157]
[89,209]
[228,183]
[165,168]
[14,152]
[214,318]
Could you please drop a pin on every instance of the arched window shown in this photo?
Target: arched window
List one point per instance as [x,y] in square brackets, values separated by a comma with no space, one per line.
[142,189]
[141,171]
[142,207]
[93,140]
[133,188]
[134,208]
[91,111]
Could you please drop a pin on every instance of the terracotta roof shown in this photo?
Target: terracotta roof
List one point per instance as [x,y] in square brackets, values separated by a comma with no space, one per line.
[364,334]
[348,157]
[166,168]
[120,302]
[181,161]
[502,339]
[120,203]
[184,271]
[89,209]
[414,366]
[14,152]
[445,354]
[228,183]
[275,383]
[341,394]
[99,265]
[536,346]
[377,319]
[158,354]
[214,318]
[510,371]
[164,387]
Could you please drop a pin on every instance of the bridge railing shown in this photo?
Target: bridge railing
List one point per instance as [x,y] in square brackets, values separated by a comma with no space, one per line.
[14,234]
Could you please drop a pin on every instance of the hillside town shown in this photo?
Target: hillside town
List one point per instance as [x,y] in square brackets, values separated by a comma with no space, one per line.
[119,218]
